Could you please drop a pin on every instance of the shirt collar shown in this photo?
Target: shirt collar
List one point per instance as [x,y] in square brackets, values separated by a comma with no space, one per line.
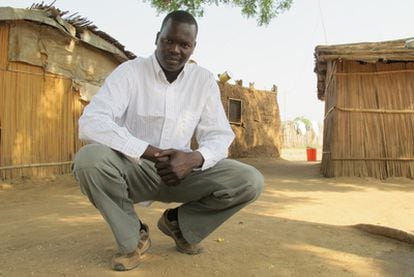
[160,73]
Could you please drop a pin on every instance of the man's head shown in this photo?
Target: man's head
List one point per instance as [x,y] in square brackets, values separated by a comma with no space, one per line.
[181,17]
[176,41]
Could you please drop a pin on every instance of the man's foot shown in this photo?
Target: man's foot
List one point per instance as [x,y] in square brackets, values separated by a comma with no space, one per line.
[124,262]
[171,229]
[144,242]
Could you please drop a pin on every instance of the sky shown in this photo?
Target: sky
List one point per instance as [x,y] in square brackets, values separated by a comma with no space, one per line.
[281,53]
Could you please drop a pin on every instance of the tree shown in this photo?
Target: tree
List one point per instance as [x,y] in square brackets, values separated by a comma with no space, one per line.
[307,122]
[263,10]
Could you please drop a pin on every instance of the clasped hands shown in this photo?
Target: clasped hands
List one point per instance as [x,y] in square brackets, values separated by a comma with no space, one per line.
[174,165]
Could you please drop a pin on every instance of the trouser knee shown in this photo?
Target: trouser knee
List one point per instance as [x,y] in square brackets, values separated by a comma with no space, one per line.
[254,183]
[92,163]
[245,186]
[92,155]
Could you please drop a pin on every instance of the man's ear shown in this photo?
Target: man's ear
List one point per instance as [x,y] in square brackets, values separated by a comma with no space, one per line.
[156,38]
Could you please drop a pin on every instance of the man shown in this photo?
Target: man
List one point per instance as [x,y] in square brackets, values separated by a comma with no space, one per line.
[141,122]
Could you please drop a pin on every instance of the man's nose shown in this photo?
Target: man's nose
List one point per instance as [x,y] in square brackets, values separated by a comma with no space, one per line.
[175,48]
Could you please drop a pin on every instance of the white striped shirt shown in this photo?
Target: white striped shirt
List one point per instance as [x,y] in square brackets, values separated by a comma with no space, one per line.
[137,106]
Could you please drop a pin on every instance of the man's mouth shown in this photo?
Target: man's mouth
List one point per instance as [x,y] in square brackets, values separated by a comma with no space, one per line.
[172,61]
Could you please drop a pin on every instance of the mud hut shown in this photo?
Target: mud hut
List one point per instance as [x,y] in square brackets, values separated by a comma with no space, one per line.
[49,62]
[255,119]
[368,89]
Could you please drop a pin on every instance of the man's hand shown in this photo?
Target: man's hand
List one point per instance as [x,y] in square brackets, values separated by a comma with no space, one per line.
[174,165]
[150,153]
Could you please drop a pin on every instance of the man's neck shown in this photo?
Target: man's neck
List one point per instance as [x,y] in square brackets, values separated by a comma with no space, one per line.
[171,76]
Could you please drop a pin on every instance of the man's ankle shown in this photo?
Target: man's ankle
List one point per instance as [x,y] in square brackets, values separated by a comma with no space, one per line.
[172,214]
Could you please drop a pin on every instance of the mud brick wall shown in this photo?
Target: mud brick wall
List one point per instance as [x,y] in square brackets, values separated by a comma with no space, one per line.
[258,134]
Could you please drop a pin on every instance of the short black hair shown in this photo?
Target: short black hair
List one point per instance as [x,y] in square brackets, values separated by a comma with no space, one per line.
[180,16]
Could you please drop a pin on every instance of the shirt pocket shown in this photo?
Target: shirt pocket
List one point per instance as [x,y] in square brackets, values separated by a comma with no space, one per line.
[186,124]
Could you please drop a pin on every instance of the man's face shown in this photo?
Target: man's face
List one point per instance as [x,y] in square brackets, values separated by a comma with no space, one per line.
[175,44]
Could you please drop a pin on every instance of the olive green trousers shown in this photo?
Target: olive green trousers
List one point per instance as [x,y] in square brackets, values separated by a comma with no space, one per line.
[114,183]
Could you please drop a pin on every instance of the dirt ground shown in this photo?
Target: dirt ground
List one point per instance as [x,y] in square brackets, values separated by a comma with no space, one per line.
[300,226]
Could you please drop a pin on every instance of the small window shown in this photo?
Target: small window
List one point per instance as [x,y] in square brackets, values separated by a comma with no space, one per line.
[234,111]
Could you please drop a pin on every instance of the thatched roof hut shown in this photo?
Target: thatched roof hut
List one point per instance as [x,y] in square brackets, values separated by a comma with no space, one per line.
[368,89]
[48,63]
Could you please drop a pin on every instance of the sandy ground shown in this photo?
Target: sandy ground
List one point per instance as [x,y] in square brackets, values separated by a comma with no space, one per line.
[298,227]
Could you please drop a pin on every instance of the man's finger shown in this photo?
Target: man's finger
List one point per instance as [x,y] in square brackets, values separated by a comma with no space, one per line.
[162,159]
[164,153]
[173,182]
[168,178]
[164,172]
[161,165]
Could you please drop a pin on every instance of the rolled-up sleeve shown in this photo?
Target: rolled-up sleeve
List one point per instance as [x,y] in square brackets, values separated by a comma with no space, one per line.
[213,133]
[98,122]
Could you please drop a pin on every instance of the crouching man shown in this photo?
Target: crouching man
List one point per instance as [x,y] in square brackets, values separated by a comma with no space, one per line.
[141,123]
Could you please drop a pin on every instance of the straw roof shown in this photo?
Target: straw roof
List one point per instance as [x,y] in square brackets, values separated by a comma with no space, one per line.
[368,52]
[73,25]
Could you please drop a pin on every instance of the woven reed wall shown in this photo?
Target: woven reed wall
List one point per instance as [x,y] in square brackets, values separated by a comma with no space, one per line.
[259,135]
[369,124]
[38,115]
[330,120]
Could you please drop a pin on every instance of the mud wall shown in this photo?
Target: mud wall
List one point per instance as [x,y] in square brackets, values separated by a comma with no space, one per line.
[258,133]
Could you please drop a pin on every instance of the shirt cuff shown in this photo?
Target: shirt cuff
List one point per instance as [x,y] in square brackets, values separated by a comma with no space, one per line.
[209,158]
[134,148]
